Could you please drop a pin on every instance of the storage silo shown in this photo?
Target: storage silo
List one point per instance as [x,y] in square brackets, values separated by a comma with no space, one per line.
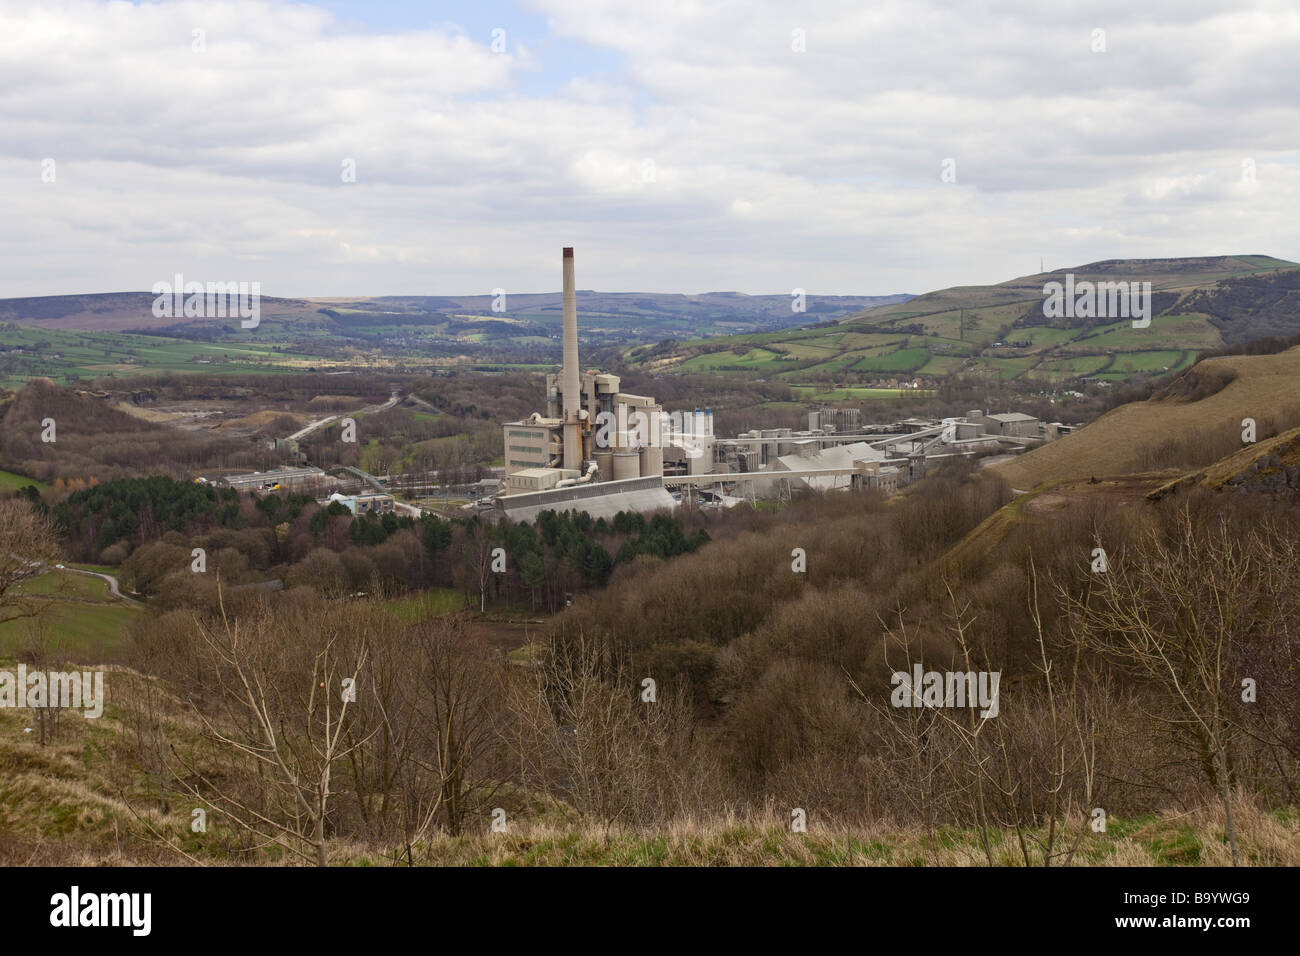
[652,460]
[627,464]
[605,462]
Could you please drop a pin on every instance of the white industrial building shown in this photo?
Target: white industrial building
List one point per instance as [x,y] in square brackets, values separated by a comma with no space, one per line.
[601,450]
[592,441]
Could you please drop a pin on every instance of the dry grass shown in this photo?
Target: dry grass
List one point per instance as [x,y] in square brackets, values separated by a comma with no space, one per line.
[85,800]
[1170,839]
[1121,441]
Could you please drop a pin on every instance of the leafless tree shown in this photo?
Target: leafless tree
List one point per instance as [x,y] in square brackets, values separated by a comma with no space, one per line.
[27,545]
[458,704]
[286,692]
[1176,612]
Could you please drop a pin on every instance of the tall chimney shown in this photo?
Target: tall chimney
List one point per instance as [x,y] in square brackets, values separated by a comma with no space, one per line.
[569,376]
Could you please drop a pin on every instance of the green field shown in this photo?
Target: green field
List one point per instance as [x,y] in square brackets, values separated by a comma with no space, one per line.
[818,393]
[1154,361]
[66,356]
[754,359]
[1057,369]
[940,365]
[84,623]
[903,360]
[1040,353]
[66,585]
[98,568]
[1165,332]
[995,330]
[11,482]
[426,604]
[1008,368]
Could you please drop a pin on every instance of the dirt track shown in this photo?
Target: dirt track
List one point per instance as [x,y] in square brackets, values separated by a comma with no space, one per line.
[1119,492]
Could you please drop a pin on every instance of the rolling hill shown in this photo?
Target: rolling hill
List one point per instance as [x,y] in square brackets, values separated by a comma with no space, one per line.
[1001,330]
[70,337]
[617,318]
[1194,421]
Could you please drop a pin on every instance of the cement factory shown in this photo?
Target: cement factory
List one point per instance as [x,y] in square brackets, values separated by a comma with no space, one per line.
[601,450]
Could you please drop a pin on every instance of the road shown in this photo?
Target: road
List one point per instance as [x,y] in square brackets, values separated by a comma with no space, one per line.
[322,422]
[114,588]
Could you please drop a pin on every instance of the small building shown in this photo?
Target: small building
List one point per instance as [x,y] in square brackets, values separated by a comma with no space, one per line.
[536,479]
[365,504]
[533,443]
[1008,424]
[485,487]
[879,476]
[275,480]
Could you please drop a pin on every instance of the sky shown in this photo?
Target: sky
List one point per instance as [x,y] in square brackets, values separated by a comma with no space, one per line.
[404,148]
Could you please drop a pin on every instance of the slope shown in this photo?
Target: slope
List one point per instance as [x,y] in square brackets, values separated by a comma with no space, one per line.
[1196,420]
[1000,331]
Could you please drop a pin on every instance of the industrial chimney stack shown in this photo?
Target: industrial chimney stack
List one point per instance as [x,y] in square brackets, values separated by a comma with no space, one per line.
[571,402]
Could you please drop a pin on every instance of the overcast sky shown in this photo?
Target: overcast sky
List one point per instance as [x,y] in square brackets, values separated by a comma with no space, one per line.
[680,145]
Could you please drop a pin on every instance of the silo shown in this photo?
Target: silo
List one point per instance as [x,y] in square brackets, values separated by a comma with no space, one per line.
[627,464]
[605,462]
[652,460]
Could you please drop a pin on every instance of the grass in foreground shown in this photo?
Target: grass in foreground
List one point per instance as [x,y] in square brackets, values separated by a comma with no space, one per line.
[86,799]
[9,481]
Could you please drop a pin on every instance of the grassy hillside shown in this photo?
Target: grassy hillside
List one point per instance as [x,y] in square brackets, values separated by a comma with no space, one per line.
[1269,465]
[86,336]
[1000,331]
[1198,417]
[65,355]
[71,803]
[83,622]
[12,482]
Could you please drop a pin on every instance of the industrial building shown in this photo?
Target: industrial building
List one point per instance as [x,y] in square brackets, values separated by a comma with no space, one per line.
[366,504]
[776,461]
[599,449]
[1013,424]
[835,419]
[277,479]
[593,436]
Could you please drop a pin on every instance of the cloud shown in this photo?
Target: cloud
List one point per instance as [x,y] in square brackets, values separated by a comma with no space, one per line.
[716,157]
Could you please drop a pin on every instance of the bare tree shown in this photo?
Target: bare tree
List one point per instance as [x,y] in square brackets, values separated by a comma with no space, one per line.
[40,648]
[27,546]
[286,691]
[584,734]
[459,710]
[1176,612]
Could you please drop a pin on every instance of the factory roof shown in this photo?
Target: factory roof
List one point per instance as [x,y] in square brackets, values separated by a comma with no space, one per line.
[277,473]
[603,500]
[840,456]
[1012,417]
